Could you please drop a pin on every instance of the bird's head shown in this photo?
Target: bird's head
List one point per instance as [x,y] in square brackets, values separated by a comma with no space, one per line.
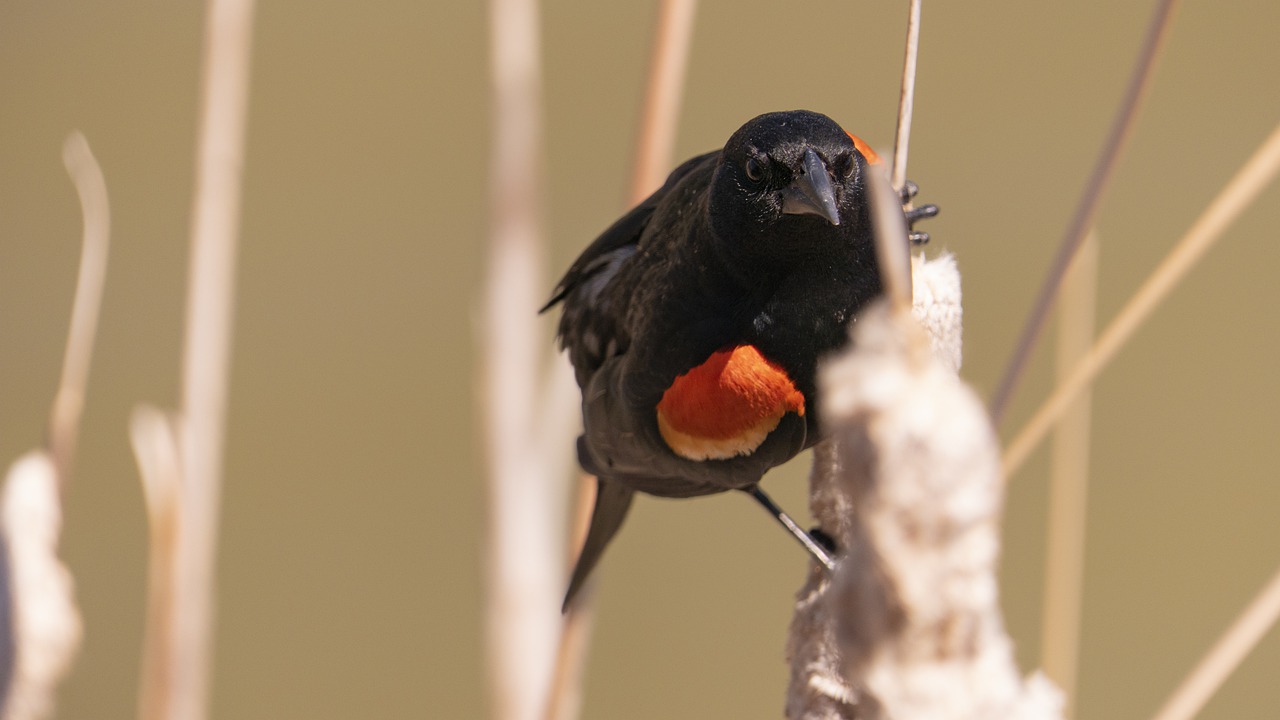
[790,182]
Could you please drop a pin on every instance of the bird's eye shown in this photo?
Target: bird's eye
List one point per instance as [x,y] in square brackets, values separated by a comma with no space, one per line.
[846,166]
[755,169]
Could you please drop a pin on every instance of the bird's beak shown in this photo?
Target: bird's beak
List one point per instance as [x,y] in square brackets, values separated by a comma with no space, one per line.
[811,192]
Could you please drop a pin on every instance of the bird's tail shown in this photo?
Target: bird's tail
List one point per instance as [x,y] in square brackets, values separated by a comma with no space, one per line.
[612,502]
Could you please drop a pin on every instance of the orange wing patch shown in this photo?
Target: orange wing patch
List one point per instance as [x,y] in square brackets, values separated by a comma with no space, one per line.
[727,405]
[865,149]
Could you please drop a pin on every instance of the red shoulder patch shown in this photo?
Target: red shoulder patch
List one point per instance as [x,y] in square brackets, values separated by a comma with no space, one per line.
[727,405]
[865,149]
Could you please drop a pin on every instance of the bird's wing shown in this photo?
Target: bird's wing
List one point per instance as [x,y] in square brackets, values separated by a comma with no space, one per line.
[626,446]
[624,232]
[590,330]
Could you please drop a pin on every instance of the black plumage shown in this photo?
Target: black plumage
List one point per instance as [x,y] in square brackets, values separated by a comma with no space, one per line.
[766,243]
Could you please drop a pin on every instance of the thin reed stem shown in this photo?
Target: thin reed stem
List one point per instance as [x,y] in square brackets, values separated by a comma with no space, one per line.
[525,515]
[575,633]
[91,187]
[206,353]
[1087,209]
[1216,666]
[1069,481]
[906,98]
[893,250]
[664,90]
[1257,173]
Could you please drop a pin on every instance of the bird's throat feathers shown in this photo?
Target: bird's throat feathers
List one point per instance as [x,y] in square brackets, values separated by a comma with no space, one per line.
[726,406]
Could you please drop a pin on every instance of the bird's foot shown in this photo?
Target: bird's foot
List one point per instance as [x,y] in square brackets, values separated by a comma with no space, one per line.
[822,538]
[915,214]
[818,549]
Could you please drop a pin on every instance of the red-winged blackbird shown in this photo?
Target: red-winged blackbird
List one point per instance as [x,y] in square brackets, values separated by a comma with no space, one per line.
[695,322]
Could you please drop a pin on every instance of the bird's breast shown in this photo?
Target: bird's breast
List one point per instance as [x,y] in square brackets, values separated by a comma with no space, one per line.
[726,406]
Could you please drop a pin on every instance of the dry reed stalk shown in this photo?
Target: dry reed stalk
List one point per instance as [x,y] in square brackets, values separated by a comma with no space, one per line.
[1068,482]
[43,628]
[1091,198]
[154,438]
[664,89]
[906,98]
[893,250]
[820,688]
[525,493]
[909,485]
[1221,660]
[91,187]
[1243,188]
[575,634]
[179,652]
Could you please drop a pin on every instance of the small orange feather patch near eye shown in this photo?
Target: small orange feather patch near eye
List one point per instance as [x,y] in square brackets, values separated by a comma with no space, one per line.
[865,149]
[727,405]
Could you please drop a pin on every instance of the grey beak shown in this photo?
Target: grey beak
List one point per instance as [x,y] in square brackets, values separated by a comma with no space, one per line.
[811,192]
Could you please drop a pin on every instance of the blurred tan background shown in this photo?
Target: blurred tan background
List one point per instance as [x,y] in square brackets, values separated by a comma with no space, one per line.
[349,568]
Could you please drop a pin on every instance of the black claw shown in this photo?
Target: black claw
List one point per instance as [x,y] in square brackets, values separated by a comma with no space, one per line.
[914,215]
[922,212]
[909,190]
[823,539]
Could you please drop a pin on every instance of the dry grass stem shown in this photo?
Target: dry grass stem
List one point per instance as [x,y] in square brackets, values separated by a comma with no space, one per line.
[1068,482]
[893,250]
[1094,190]
[663,92]
[557,423]
[42,624]
[68,404]
[179,686]
[1256,174]
[1226,654]
[555,434]
[525,495]
[906,99]
[575,634]
[155,447]
[664,89]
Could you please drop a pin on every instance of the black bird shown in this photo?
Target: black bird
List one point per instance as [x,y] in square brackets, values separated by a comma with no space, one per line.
[695,322]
